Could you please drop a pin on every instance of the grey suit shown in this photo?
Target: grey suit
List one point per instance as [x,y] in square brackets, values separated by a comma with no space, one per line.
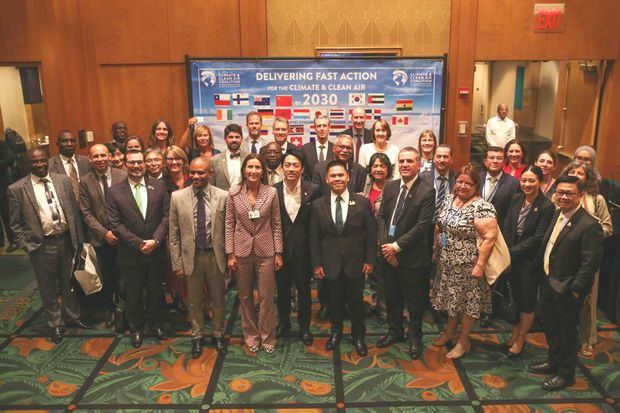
[311,157]
[50,256]
[220,177]
[83,165]
[200,267]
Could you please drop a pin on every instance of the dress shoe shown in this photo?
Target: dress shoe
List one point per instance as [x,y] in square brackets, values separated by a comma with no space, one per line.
[136,339]
[283,328]
[510,355]
[360,347]
[415,349]
[485,321]
[196,347]
[12,248]
[542,368]
[219,344]
[306,338]
[57,334]
[160,333]
[322,313]
[78,324]
[555,383]
[389,339]
[332,341]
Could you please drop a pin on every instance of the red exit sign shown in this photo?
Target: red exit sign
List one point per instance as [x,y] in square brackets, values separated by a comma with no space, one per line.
[549,17]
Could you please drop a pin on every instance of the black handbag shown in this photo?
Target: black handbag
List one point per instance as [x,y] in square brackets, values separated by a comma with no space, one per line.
[503,300]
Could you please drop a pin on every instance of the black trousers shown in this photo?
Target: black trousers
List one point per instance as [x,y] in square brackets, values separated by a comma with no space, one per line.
[560,314]
[106,258]
[4,217]
[405,287]
[147,276]
[292,270]
[350,291]
[323,292]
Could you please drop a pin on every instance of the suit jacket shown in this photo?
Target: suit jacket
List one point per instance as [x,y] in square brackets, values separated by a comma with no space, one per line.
[429,178]
[367,137]
[24,212]
[261,236]
[7,159]
[576,255]
[220,177]
[83,165]
[131,228]
[414,226]
[311,158]
[246,146]
[348,251]
[357,177]
[182,231]
[506,187]
[93,205]
[295,235]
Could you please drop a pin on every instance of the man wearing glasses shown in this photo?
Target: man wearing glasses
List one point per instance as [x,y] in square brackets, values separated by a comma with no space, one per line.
[343,152]
[571,254]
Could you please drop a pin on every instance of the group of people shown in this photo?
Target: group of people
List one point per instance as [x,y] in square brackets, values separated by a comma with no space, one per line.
[272,215]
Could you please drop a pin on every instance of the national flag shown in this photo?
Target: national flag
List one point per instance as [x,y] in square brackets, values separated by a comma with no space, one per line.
[336,130]
[241,99]
[312,133]
[264,131]
[283,113]
[284,100]
[400,120]
[295,140]
[318,112]
[296,130]
[221,99]
[224,114]
[376,98]
[262,100]
[303,113]
[370,114]
[357,98]
[336,114]
[265,113]
[404,104]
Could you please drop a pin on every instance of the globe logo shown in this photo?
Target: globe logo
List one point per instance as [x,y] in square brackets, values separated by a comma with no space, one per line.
[207,77]
[399,77]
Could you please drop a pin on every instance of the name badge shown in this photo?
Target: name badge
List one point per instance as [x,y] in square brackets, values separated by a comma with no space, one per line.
[392,231]
[254,214]
[443,239]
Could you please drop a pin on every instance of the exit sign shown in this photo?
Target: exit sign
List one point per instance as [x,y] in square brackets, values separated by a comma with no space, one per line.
[549,17]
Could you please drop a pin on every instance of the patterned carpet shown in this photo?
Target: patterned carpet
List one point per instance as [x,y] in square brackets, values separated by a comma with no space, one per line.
[99,371]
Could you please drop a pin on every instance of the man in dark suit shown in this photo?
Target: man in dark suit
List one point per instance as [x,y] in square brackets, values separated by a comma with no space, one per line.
[280,135]
[440,176]
[296,196]
[343,247]
[138,215]
[45,219]
[321,149]
[570,256]
[343,151]
[67,162]
[405,223]
[497,188]
[94,187]
[358,131]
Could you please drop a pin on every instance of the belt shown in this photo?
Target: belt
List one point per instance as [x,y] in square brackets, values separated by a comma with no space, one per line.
[204,251]
[56,236]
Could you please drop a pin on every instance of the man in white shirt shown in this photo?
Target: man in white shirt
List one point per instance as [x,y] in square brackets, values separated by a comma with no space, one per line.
[253,142]
[319,151]
[500,129]
[67,162]
[280,135]
[226,166]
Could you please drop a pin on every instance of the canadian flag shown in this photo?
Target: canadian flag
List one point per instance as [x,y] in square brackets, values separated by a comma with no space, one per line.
[400,120]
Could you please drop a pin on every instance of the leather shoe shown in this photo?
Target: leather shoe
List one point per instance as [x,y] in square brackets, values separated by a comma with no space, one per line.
[283,328]
[332,341]
[415,349]
[555,383]
[389,339]
[79,324]
[219,344]
[360,347]
[136,339]
[543,368]
[160,333]
[196,347]
[57,334]
[12,248]
[322,313]
[306,338]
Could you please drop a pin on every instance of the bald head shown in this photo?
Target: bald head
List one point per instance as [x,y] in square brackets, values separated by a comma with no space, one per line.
[100,158]
[199,172]
[358,119]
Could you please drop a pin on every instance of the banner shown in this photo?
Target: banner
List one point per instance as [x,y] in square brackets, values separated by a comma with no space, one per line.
[407,93]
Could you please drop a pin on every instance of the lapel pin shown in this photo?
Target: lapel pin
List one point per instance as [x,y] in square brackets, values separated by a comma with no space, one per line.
[150,187]
[570,224]
[351,202]
[536,209]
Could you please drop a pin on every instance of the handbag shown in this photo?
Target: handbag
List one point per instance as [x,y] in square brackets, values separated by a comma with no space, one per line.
[86,271]
[503,301]
[499,261]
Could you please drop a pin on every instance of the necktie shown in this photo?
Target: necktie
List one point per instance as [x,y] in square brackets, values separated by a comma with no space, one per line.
[138,196]
[400,204]
[358,146]
[339,222]
[522,215]
[75,182]
[554,235]
[441,195]
[488,194]
[321,153]
[254,147]
[235,155]
[51,202]
[104,182]
[201,223]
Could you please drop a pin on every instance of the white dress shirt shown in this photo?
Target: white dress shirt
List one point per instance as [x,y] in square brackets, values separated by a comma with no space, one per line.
[108,177]
[400,186]
[234,168]
[43,207]
[66,162]
[490,187]
[499,131]
[292,200]
[344,204]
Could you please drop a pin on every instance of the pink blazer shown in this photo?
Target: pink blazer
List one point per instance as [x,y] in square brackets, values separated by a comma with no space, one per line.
[261,236]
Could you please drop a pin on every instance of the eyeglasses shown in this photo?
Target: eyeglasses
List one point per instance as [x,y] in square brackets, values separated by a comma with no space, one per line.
[174,160]
[464,183]
[153,160]
[568,194]
[344,147]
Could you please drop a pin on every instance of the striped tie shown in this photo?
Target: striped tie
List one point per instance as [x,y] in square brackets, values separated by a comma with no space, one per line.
[441,196]
[525,209]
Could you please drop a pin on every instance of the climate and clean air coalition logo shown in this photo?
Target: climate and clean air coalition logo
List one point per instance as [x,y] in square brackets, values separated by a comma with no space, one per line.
[399,77]
[207,77]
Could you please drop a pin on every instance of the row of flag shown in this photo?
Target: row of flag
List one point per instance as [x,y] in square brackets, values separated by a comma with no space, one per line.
[355,99]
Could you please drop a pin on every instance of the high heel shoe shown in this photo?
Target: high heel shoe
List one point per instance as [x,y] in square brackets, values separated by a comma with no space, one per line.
[458,351]
[511,355]
[442,340]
